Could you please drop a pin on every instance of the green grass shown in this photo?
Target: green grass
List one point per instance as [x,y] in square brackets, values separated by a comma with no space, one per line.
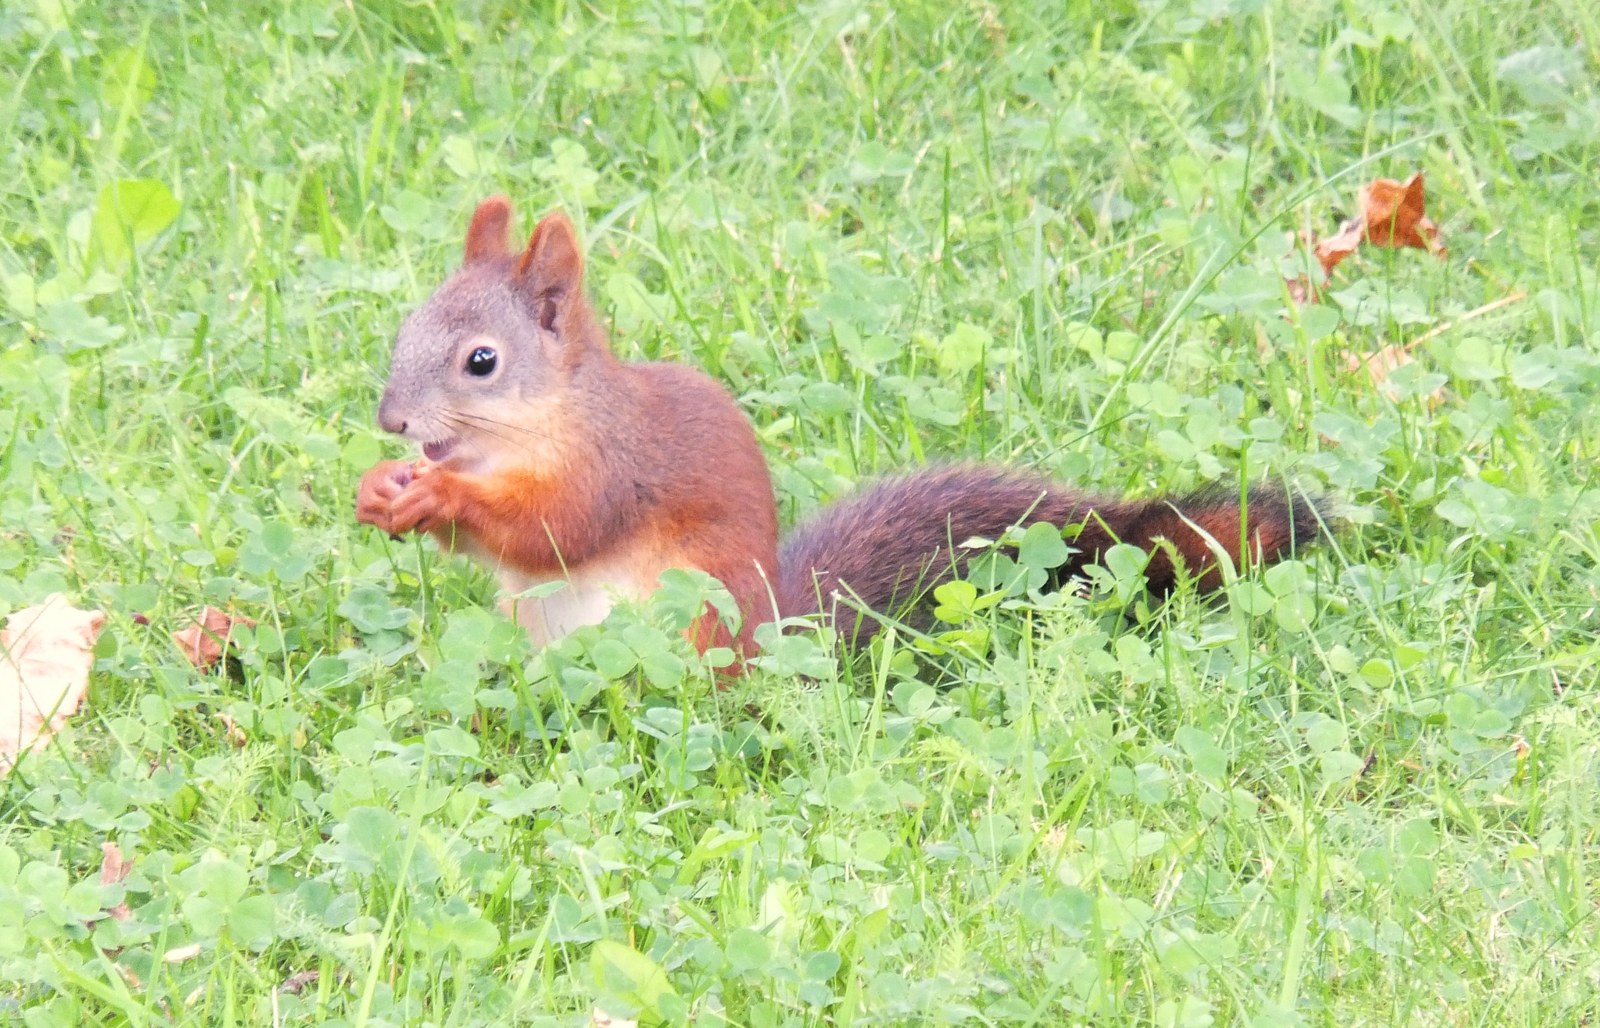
[1360,793]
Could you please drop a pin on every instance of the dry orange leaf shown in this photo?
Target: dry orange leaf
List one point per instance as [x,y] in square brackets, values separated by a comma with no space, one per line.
[45,656]
[1336,248]
[114,867]
[1302,291]
[205,641]
[1392,214]
[1380,364]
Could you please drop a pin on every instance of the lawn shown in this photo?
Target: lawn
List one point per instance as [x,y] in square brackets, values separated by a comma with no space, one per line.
[1359,789]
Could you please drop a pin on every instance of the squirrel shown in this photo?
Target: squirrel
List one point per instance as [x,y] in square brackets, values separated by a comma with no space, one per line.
[549,459]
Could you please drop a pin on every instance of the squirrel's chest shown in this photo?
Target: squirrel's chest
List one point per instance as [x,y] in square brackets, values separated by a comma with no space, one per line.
[585,597]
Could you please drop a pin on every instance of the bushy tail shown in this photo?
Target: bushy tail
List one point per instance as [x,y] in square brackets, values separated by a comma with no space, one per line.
[885,547]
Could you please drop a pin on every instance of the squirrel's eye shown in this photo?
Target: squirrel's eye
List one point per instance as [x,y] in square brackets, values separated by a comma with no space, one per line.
[481,361]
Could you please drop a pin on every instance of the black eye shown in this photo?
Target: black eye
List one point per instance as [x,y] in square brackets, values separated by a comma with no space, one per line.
[481,361]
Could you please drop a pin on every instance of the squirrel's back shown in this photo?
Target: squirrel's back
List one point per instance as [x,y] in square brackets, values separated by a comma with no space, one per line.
[886,546]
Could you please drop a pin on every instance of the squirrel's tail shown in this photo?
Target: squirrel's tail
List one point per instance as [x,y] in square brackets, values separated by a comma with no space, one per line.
[886,547]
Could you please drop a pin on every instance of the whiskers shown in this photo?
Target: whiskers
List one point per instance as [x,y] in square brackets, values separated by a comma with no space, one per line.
[515,435]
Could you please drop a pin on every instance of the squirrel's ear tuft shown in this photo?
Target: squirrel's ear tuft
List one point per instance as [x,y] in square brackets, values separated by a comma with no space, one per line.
[552,267]
[488,235]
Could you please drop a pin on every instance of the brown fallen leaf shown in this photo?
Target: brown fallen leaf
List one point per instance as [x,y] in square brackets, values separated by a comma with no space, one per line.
[1334,249]
[1394,215]
[1380,364]
[1302,290]
[114,867]
[205,641]
[45,656]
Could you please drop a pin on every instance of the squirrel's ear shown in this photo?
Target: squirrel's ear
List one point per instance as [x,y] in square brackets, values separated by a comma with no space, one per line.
[488,234]
[552,268]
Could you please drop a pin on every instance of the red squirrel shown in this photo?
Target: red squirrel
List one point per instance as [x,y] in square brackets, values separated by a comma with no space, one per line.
[547,458]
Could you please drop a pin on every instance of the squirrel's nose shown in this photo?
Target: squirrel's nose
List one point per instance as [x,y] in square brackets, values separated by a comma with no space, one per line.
[388,420]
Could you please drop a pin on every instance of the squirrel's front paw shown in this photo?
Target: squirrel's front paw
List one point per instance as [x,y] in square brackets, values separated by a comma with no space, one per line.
[380,487]
[422,506]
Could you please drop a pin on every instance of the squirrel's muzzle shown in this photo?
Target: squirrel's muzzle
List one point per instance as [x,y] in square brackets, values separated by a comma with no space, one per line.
[388,418]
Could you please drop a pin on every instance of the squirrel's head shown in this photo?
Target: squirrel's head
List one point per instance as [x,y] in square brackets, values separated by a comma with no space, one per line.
[492,349]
